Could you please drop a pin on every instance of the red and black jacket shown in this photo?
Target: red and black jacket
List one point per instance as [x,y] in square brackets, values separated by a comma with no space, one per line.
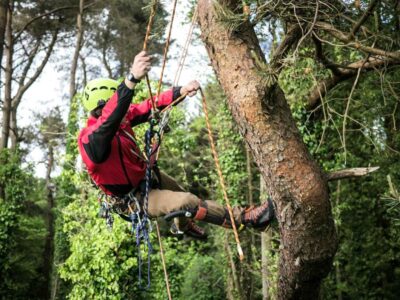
[107,144]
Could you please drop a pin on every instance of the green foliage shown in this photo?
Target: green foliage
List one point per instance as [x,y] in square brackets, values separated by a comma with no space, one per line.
[103,263]
[299,77]
[363,208]
[22,230]
[203,276]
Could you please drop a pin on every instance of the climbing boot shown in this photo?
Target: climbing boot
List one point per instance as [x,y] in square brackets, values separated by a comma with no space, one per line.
[259,217]
[195,231]
[191,229]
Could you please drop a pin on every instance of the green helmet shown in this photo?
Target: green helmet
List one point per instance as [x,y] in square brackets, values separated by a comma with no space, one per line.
[97,90]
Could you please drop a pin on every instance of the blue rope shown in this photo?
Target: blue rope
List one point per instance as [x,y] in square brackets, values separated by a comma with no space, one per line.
[141,227]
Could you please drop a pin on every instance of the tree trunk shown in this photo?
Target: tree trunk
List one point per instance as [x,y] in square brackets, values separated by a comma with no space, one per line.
[13,128]
[337,267]
[6,111]
[232,277]
[78,45]
[294,180]
[266,247]
[3,24]
[49,242]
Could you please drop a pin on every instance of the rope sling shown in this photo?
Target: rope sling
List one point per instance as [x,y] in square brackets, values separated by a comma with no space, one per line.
[141,224]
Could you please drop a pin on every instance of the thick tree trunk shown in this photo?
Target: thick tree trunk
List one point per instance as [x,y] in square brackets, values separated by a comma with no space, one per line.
[293,179]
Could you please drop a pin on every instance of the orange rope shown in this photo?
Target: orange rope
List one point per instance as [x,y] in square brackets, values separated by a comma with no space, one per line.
[166,49]
[163,261]
[176,101]
[221,177]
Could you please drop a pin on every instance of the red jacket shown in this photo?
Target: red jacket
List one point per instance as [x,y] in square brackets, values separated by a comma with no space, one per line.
[107,144]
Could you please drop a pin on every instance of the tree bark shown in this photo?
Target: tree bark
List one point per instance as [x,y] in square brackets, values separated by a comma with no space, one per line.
[3,24]
[6,111]
[295,181]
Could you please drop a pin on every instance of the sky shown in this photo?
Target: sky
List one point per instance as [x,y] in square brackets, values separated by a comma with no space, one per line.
[51,88]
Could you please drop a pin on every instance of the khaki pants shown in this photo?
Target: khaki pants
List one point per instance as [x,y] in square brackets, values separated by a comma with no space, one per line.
[172,197]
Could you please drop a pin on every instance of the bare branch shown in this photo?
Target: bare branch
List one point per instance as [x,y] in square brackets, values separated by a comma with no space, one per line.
[105,62]
[291,38]
[346,113]
[29,61]
[27,24]
[340,35]
[319,55]
[22,89]
[364,17]
[349,173]
[346,72]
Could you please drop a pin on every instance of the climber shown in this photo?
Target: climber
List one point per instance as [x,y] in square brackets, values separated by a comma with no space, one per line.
[115,163]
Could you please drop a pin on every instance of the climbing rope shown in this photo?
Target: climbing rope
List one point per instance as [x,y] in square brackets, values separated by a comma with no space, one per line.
[185,49]
[145,42]
[221,177]
[141,229]
[166,48]
[151,150]
[166,111]
[163,261]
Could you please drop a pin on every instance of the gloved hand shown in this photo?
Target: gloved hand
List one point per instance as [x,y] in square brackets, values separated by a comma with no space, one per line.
[191,88]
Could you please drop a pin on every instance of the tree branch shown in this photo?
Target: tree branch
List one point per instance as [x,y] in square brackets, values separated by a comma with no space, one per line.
[27,24]
[22,89]
[346,72]
[364,17]
[319,55]
[349,173]
[105,62]
[340,35]
[29,61]
[291,38]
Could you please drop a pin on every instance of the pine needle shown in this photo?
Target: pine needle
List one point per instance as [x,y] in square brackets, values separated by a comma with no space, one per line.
[229,19]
